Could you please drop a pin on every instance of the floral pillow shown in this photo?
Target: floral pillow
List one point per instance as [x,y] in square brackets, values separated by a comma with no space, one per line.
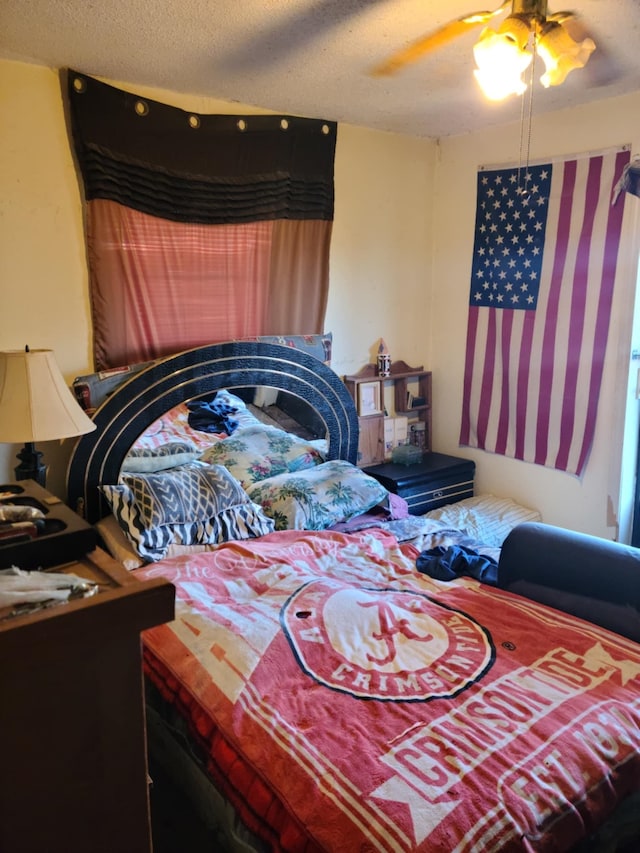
[319,497]
[190,505]
[254,453]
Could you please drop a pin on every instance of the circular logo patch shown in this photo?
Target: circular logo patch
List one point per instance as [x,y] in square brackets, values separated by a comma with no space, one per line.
[394,645]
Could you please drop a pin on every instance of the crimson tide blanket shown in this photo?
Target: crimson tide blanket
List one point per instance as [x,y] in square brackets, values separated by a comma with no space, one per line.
[350,703]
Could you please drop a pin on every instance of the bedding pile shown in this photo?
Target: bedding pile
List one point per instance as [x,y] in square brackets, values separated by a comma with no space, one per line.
[181,494]
[288,480]
[177,425]
[348,702]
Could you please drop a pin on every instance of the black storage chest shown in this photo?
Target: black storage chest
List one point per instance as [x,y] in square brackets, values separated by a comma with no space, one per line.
[436,480]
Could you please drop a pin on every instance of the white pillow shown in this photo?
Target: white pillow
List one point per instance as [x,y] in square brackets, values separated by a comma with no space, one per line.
[484,517]
[150,460]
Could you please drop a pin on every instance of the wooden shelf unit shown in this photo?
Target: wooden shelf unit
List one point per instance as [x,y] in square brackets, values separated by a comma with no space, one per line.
[405,380]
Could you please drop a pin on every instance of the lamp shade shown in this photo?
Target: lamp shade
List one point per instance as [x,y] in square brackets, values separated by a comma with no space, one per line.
[561,53]
[35,403]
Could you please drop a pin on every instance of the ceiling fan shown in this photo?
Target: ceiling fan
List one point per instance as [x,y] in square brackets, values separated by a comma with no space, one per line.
[502,54]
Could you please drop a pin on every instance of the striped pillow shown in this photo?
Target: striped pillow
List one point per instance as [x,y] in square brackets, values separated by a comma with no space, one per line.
[191,505]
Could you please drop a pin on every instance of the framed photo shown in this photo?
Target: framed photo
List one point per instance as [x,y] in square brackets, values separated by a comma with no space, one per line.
[369,402]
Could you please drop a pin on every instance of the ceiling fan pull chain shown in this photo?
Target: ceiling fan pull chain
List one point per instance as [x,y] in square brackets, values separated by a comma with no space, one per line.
[523,189]
[520,189]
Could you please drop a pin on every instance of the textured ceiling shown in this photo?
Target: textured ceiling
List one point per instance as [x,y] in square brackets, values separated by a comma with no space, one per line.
[310,57]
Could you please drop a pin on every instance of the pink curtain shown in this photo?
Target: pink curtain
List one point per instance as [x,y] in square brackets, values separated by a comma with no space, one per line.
[199,228]
[159,287]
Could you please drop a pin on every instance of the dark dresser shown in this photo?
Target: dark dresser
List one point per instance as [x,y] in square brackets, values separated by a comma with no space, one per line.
[436,480]
[73,774]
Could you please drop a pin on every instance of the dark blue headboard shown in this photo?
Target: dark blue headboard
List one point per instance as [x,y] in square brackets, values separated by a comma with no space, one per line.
[137,403]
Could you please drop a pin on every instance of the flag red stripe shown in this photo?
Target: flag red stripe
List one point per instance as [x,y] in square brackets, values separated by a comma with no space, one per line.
[472,333]
[609,266]
[551,319]
[577,314]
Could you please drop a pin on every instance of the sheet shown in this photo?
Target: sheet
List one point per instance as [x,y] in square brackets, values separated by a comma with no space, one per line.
[350,703]
[174,426]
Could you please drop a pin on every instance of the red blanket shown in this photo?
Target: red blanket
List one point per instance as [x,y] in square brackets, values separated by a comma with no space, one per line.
[379,709]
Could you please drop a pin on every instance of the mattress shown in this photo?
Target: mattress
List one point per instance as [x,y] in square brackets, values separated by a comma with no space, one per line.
[344,701]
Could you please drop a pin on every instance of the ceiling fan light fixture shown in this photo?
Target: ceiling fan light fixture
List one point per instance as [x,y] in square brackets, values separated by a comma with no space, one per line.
[502,57]
[503,54]
[561,53]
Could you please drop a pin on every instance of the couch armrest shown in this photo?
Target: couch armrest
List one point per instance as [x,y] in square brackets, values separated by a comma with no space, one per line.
[576,573]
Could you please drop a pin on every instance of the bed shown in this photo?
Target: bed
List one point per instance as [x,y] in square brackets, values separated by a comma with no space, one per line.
[316,690]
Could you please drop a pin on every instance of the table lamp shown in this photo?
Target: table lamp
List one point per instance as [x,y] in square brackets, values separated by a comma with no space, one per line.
[36,405]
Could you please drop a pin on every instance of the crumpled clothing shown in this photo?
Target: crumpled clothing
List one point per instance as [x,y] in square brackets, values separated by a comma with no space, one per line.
[392,508]
[447,563]
[16,512]
[211,416]
[629,181]
[18,586]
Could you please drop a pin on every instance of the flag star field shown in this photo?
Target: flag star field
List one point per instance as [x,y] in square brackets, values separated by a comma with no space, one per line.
[510,228]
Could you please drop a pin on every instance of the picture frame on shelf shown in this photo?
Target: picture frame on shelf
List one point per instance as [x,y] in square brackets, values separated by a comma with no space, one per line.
[369,402]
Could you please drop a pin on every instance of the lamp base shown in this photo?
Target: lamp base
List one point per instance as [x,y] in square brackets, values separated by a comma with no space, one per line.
[31,467]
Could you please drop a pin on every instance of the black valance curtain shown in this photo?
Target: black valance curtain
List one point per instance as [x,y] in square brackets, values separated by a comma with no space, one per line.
[145,165]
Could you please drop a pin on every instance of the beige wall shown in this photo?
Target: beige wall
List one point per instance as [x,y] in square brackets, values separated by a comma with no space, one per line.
[400,266]
[380,247]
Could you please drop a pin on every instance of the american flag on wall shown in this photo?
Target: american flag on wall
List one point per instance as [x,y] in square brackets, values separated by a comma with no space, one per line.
[544,265]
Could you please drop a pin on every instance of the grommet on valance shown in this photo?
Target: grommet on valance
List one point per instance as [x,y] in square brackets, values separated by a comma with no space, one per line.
[183,165]
[79,85]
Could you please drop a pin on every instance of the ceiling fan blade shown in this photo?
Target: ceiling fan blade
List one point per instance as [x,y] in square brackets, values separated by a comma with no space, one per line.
[562,17]
[434,40]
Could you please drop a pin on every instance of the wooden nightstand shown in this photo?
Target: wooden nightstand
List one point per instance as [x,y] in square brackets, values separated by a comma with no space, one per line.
[435,481]
[73,773]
